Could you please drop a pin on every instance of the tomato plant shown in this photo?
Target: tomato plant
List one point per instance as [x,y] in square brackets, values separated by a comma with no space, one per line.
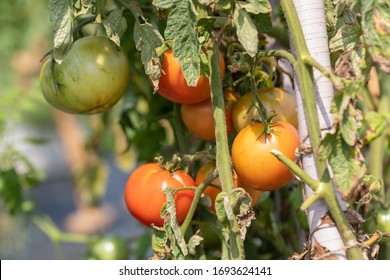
[91,79]
[110,247]
[212,191]
[144,193]
[173,85]
[252,158]
[275,100]
[199,119]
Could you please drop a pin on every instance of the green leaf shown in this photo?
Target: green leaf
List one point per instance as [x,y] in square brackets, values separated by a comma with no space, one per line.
[181,29]
[263,21]
[246,30]
[147,39]
[346,162]
[11,190]
[135,9]
[164,4]
[62,16]
[256,6]
[376,30]
[115,25]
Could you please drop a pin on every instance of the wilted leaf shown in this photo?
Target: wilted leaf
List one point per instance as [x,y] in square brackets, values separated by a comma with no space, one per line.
[375,125]
[147,39]
[194,241]
[346,37]
[246,30]
[376,30]
[62,16]
[181,29]
[346,162]
[177,243]
[234,212]
[115,26]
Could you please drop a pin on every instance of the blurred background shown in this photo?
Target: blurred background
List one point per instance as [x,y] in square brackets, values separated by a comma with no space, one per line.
[55,166]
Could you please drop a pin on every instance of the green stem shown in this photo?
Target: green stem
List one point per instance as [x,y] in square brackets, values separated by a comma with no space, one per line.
[256,99]
[377,147]
[296,170]
[279,53]
[303,70]
[223,160]
[198,192]
[309,60]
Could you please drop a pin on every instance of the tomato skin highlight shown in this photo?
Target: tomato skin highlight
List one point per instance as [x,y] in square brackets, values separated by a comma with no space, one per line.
[92,77]
[206,170]
[252,158]
[274,99]
[144,193]
[173,85]
[199,118]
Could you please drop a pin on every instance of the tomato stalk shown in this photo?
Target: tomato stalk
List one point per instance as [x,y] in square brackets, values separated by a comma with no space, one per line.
[223,160]
[56,236]
[256,99]
[198,193]
[304,73]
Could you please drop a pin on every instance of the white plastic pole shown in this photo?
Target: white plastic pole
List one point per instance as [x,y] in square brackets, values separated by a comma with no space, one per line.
[311,14]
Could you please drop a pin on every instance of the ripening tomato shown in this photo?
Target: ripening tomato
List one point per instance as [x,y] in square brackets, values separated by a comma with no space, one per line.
[173,85]
[144,193]
[206,170]
[199,119]
[91,79]
[252,158]
[274,99]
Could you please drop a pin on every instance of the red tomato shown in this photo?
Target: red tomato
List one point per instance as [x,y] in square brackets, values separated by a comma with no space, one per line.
[173,85]
[205,171]
[274,99]
[252,158]
[144,194]
[199,119]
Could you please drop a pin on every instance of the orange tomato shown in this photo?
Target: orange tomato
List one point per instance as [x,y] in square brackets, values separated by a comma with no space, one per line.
[252,158]
[199,118]
[173,85]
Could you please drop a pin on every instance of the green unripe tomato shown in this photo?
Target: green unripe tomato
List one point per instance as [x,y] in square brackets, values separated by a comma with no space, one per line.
[91,79]
[383,223]
[110,247]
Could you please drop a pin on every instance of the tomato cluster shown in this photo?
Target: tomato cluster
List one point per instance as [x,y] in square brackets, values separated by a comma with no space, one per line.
[255,168]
